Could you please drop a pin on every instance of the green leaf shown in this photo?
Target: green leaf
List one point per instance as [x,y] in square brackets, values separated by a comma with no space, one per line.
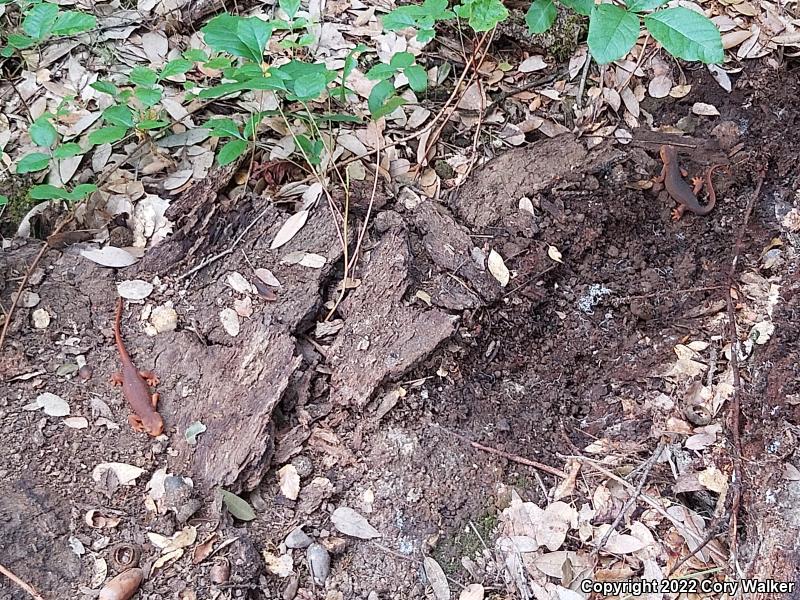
[39,21]
[223,127]
[686,34]
[351,61]
[640,5]
[244,37]
[195,55]
[290,7]
[612,32]
[219,63]
[105,87]
[231,151]
[540,16]
[237,507]
[118,115]
[20,42]
[482,15]
[108,135]
[67,150]
[47,192]
[417,78]
[143,76]
[72,21]
[419,16]
[425,35]
[311,86]
[35,161]
[312,151]
[51,192]
[3,200]
[582,7]
[381,71]
[148,96]
[149,124]
[251,125]
[401,60]
[179,66]
[382,100]
[42,132]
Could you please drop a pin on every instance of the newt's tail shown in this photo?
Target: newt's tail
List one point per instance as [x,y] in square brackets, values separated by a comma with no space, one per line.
[117,335]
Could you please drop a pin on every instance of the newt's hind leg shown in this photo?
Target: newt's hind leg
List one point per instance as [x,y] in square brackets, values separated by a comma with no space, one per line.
[116,378]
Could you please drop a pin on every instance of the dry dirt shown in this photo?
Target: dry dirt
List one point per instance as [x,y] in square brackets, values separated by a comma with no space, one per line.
[537,369]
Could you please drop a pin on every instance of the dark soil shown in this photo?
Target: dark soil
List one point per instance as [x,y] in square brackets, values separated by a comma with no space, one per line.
[559,357]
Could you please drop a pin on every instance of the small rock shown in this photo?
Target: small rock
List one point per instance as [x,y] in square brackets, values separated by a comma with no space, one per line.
[319,563]
[334,544]
[28,299]
[164,318]
[303,465]
[298,538]
[220,572]
[41,318]
[290,591]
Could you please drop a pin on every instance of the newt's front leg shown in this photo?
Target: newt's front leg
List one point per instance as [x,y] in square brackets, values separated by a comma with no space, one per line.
[150,377]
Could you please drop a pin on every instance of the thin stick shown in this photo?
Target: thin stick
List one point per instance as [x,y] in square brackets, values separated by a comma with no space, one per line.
[21,99]
[228,250]
[363,231]
[637,65]
[632,500]
[24,282]
[25,586]
[736,402]
[507,455]
[712,533]
[584,75]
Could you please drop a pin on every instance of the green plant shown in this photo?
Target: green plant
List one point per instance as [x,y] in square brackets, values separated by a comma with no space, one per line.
[44,20]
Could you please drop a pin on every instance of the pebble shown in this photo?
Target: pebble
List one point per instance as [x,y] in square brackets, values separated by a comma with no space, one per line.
[298,538]
[319,563]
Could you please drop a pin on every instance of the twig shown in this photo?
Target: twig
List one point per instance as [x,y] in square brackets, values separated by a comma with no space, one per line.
[507,455]
[503,96]
[636,66]
[24,282]
[632,500]
[712,533]
[21,99]
[736,401]
[25,586]
[582,84]
[363,231]
[228,250]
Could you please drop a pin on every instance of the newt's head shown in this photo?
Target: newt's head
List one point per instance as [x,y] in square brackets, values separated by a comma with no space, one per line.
[153,424]
[668,153]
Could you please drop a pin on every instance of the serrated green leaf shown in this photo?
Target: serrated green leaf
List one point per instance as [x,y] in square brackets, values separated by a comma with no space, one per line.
[30,163]
[417,78]
[612,32]
[105,87]
[118,115]
[231,151]
[540,16]
[582,7]
[686,34]
[290,7]
[640,5]
[148,96]
[143,76]
[67,150]
[108,135]
[39,21]
[179,66]
[238,507]
[240,36]
[223,127]
[46,191]
[381,72]
[482,15]
[42,132]
[149,124]
[401,60]
[71,22]
[20,42]
[195,55]
[310,87]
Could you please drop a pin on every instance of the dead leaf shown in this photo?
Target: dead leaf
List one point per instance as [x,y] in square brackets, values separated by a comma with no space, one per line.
[53,405]
[289,482]
[110,256]
[533,63]
[705,110]
[290,228]
[98,520]
[350,522]
[126,474]
[76,422]
[555,523]
[437,579]
[230,321]
[204,549]
[473,591]
[618,543]
[552,563]
[267,277]
[238,282]
[473,98]
[554,254]
[135,289]
[497,267]
[659,86]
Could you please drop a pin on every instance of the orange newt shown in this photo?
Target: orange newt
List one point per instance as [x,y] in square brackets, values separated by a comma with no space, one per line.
[685,195]
[135,388]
